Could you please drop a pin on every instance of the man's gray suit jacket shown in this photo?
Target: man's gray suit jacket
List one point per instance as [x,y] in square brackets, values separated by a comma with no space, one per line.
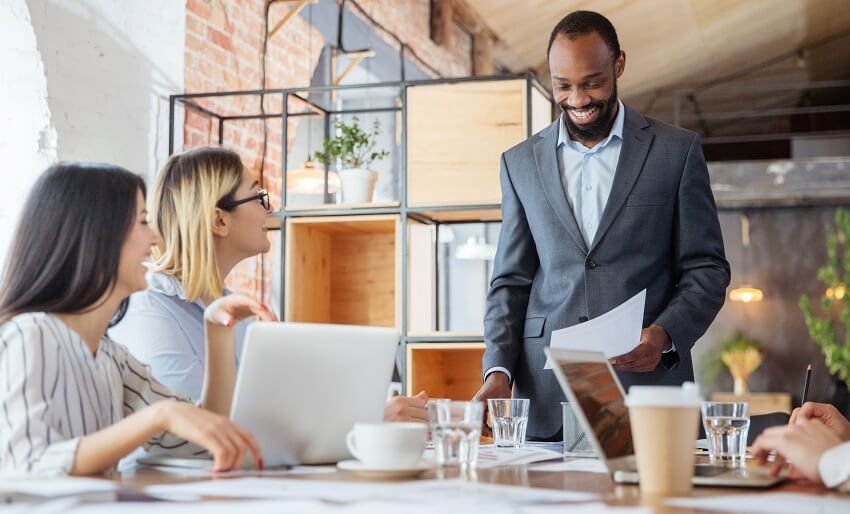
[659,231]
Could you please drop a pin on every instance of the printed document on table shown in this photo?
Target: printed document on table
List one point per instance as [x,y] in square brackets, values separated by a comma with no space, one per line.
[614,333]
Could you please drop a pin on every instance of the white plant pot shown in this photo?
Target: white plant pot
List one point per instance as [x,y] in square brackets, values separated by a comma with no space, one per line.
[357,185]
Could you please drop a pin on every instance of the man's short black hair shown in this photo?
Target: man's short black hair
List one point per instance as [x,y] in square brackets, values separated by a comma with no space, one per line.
[584,22]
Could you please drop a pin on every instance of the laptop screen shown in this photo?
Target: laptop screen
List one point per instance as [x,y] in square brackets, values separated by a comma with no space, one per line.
[602,402]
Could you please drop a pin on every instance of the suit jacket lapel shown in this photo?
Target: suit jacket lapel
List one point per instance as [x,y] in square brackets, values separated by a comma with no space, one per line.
[636,143]
[547,167]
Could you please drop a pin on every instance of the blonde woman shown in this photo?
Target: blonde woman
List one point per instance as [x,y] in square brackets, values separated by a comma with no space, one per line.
[211,214]
[74,401]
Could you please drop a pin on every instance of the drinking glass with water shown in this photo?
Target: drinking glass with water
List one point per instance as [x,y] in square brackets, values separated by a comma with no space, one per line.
[509,419]
[726,425]
[455,429]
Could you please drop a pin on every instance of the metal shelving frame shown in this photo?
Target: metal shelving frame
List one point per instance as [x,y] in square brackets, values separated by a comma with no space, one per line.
[420,214]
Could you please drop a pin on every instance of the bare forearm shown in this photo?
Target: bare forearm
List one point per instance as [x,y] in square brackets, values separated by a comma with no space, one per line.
[220,372]
[102,449]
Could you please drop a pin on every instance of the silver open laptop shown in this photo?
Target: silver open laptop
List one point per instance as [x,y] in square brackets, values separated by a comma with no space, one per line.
[598,400]
[301,387]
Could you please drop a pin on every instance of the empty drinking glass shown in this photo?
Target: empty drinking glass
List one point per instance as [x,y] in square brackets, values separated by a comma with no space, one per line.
[455,429]
[726,425]
[509,419]
[576,443]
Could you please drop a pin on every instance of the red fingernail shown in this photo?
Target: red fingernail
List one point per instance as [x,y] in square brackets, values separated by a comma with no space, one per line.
[260,464]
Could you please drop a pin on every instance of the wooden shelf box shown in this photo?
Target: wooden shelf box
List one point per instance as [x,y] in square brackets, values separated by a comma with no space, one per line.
[456,134]
[444,370]
[343,269]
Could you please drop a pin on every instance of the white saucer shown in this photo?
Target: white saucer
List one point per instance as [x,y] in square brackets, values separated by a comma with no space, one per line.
[355,466]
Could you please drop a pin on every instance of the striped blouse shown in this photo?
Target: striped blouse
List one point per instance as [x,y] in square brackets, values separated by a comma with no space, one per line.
[53,391]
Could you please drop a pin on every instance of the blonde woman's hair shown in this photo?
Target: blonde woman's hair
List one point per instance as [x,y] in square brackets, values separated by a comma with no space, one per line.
[187,191]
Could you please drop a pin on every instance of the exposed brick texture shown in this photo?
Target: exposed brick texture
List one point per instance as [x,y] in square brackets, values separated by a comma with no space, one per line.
[223,49]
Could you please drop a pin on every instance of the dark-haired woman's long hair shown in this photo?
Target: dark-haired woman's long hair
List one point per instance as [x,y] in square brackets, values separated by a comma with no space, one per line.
[67,246]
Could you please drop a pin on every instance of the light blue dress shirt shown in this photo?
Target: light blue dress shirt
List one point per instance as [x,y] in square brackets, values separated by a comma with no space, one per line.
[165,331]
[588,173]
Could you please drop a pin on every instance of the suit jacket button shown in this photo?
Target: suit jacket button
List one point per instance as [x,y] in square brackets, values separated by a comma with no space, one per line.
[582,319]
[591,265]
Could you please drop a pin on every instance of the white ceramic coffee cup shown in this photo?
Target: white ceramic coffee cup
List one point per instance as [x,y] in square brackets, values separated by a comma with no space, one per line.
[387,445]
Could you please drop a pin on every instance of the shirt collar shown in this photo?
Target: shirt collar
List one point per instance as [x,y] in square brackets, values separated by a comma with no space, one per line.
[169,285]
[616,130]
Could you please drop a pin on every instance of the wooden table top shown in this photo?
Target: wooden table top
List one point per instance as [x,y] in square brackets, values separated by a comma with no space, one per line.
[611,493]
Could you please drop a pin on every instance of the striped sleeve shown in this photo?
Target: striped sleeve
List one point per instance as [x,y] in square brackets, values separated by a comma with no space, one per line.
[141,390]
[29,367]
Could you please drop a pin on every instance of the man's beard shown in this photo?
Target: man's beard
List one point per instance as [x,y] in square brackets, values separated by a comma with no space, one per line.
[591,131]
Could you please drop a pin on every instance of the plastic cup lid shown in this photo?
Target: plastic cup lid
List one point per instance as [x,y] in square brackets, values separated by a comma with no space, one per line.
[686,395]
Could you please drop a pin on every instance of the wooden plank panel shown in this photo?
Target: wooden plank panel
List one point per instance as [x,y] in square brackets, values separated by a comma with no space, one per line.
[465,215]
[422,284]
[308,285]
[362,276]
[456,135]
[444,370]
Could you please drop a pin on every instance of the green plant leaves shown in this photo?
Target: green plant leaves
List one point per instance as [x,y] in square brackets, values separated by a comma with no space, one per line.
[353,147]
[830,329]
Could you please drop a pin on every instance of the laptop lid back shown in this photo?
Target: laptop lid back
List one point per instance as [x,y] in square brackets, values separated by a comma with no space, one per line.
[599,403]
[301,387]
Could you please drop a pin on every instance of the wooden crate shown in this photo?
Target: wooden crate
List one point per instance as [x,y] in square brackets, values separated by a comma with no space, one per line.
[456,134]
[444,370]
[343,269]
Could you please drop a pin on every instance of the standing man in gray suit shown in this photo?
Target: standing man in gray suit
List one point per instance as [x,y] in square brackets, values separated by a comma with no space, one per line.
[600,205]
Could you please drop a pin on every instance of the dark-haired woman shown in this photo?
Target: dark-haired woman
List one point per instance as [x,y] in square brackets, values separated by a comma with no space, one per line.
[74,401]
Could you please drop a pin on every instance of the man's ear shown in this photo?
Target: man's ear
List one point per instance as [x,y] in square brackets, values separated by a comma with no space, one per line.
[620,64]
[220,223]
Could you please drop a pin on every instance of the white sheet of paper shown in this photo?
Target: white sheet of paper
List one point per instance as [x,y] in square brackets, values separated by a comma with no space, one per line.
[583,465]
[614,333]
[203,473]
[416,492]
[767,503]
[585,508]
[211,507]
[489,456]
[54,486]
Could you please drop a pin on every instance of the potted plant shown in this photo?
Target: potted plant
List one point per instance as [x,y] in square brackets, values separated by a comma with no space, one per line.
[352,150]
[742,356]
[830,328]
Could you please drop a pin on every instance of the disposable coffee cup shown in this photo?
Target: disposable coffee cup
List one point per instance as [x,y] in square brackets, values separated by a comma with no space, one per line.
[664,421]
[387,445]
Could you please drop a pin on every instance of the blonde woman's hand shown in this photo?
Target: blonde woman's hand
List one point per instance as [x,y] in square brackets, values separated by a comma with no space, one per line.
[225,440]
[227,310]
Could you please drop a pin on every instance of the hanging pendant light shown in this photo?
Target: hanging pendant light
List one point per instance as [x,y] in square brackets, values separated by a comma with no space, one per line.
[311,180]
[476,249]
[746,293]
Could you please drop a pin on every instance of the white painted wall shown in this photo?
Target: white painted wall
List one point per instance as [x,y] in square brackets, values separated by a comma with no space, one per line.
[27,137]
[110,66]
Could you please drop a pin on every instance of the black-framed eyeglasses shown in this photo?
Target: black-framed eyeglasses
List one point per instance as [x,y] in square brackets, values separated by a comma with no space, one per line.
[262,196]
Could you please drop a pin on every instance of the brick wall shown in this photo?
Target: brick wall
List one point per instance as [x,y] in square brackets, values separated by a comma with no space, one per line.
[223,49]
